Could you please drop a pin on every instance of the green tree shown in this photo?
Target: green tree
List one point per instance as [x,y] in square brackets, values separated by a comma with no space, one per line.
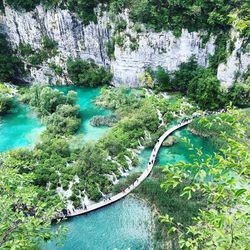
[239,95]
[27,5]
[46,100]
[204,88]
[11,67]
[87,73]
[223,180]
[184,75]
[65,121]
[6,103]
[163,79]
[25,216]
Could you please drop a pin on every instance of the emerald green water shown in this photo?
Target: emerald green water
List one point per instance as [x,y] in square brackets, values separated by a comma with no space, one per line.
[176,153]
[125,224]
[88,109]
[18,129]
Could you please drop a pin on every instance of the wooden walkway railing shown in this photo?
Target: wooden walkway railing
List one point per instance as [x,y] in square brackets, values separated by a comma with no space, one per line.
[129,189]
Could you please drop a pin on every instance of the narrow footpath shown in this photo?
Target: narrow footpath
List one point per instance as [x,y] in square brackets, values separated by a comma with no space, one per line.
[138,181]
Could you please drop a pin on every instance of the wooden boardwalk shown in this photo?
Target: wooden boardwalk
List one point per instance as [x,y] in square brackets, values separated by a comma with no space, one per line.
[143,176]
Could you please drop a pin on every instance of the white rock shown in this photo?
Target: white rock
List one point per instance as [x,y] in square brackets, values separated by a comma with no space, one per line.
[237,63]
[76,40]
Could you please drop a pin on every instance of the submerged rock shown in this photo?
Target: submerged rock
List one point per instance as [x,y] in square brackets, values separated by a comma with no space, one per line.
[170,141]
[100,120]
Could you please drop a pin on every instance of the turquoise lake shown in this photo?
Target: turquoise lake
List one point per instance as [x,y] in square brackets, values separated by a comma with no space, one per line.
[20,128]
[125,224]
[88,110]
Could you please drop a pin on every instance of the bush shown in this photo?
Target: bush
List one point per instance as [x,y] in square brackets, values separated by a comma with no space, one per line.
[57,69]
[110,48]
[6,103]
[134,45]
[57,110]
[37,57]
[163,79]
[49,44]
[123,184]
[119,40]
[239,95]
[204,89]
[64,121]
[103,120]
[11,67]
[87,73]
[184,75]
[27,5]
[120,25]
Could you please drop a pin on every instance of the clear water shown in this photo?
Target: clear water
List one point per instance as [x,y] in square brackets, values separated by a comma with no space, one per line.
[125,224]
[88,109]
[18,129]
[176,153]
[23,127]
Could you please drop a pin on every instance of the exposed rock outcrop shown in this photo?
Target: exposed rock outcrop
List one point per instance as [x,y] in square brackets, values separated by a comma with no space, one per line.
[76,40]
[237,63]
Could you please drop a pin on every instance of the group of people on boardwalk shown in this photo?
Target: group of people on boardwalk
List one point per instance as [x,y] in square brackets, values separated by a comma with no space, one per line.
[125,191]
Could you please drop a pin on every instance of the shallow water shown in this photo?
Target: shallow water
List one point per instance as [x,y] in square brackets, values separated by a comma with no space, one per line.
[125,224]
[176,153]
[20,128]
[88,109]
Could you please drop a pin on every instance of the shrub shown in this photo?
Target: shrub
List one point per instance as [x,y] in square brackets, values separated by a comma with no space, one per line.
[11,66]
[27,5]
[6,103]
[119,40]
[87,73]
[110,48]
[57,69]
[184,75]
[64,121]
[239,95]
[163,79]
[120,25]
[204,89]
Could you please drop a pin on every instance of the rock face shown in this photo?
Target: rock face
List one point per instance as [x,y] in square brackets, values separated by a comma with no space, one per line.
[76,40]
[237,63]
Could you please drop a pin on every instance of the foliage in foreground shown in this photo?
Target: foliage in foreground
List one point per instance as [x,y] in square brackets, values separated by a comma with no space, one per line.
[168,203]
[211,127]
[25,214]
[223,180]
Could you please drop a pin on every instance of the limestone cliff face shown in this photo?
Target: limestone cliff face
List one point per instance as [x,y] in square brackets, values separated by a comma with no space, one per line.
[76,40]
[237,63]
